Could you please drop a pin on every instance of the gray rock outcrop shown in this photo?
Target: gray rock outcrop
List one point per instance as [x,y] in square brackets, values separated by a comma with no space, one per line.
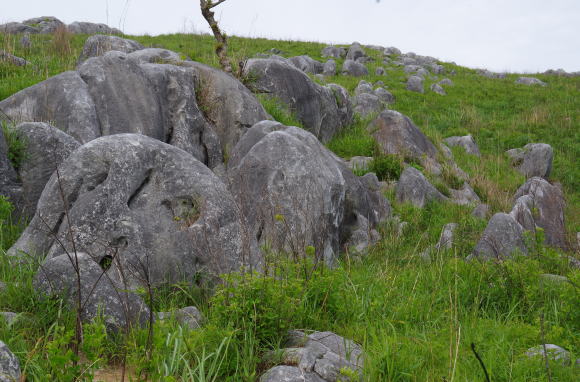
[46,148]
[535,159]
[315,106]
[552,352]
[307,64]
[467,142]
[547,209]
[101,291]
[329,68]
[396,134]
[295,193]
[12,59]
[63,99]
[98,45]
[146,202]
[82,27]
[502,237]
[481,211]
[189,317]
[414,188]
[465,196]
[318,357]
[353,68]
[415,84]
[9,365]
[530,81]
[436,88]
[355,51]
[333,52]
[366,104]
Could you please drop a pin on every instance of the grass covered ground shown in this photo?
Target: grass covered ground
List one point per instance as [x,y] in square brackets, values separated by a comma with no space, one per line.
[415,320]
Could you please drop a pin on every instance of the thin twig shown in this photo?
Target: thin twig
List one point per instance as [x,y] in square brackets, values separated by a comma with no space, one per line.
[480,362]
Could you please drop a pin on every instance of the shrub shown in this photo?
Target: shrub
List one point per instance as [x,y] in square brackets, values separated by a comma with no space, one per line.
[16,145]
[386,167]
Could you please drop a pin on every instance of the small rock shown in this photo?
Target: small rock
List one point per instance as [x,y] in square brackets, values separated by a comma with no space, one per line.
[391,51]
[555,353]
[447,235]
[25,41]
[363,87]
[415,84]
[2,286]
[446,81]
[481,211]
[359,163]
[464,196]
[9,365]
[307,64]
[353,68]
[436,88]
[11,59]
[555,279]
[530,81]
[467,142]
[380,71]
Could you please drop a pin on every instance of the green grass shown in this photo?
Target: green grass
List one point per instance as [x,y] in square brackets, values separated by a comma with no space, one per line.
[415,320]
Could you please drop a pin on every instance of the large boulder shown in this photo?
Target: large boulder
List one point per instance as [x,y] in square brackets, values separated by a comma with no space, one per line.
[307,64]
[144,202]
[467,142]
[63,99]
[355,51]
[367,104]
[46,147]
[353,68]
[228,105]
[546,202]
[415,84]
[414,188]
[98,45]
[82,27]
[102,292]
[9,184]
[9,365]
[315,106]
[125,99]
[502,238]
[395,133]
[317,357]
[329,68]
[333,52]
[44,24]
[535,159]
[295,193]
[184,123]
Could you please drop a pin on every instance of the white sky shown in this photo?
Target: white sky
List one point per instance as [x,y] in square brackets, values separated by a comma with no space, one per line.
[501,35]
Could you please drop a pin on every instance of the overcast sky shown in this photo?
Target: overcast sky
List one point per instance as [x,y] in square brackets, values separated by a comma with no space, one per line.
[501,35]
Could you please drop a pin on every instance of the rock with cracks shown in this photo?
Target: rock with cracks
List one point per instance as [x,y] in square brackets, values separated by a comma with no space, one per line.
[145,203]
[545,207]
[98,45]
[46,147]
[315,106]
[414,188]
[295,193]
[502,238]
[535,159]
[102,293]
[9,365]
[318,357]
[467,142]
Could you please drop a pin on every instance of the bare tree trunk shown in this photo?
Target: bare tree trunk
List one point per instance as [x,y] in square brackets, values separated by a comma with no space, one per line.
[222,43]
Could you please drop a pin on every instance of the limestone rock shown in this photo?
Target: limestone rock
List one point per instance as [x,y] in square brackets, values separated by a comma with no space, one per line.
[146,202]
[481,211]
[63,99]
[355,51]
[436,88]
[548,203]
[353,68]
[467,142]
[329,68]
[554,353]
[45,148]
[530,81]
[292,189]
[413,187]
[101,293]
[82,27]
[502,237]
[307,64]
[190,317]
[333,51]
[415,84]
[464,196]
[315,106]
[98,45]
[9,365]
[535,159]
[12,59]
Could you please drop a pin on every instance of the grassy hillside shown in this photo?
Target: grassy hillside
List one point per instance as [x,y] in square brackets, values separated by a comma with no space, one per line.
[415,320]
